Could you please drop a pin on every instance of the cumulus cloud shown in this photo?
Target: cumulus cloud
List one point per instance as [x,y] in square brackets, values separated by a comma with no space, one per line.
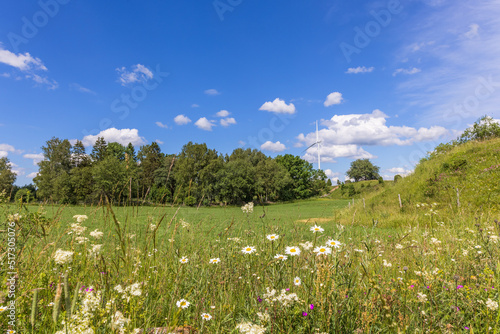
[181,119]
[35,157]
[332,99]
[331,174]
[137,73]
[223,113]
[159,142]
[32,175]
[399,170]
[273,147]
[204,124]
[409,71]
[278,106]
[16,169]
[345,134]
[5,149]
[359,69]
[227,121]
[122,136]
[212,92]
[161,125]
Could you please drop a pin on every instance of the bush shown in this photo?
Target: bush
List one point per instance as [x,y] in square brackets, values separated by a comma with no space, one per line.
[190,201]
[25,194]
[397,177]
[380,180]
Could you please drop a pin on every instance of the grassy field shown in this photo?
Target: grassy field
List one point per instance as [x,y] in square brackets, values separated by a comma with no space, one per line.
[429,266]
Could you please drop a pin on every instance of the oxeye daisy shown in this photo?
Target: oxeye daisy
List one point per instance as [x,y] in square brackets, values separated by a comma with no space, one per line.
[297,281]
[292,250]
[184,260]
[316,228]
[216,260]
[183,303]
[206,316]
[322,250]
[333,243]
[272,237]
[2,308]
[281,257]
[248,250]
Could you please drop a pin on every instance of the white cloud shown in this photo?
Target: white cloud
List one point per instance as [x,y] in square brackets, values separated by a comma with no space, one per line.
[278,106]
[23,62]
[32,175]
[223,113]
[332,99]
[241,143]
[204,124]
[159,142]
[473,31]
[400,170]
[344,134]
[51,84]
[16,169]
[227,121]
[35,157]
[181,120]
[273,147]
[331,174]
[81,89]
[161,125]
[359,69]
[122,136]
[462,77]
[194,105]
[212,92]
[5,149]
[138,73]
[408,71]
[5,75]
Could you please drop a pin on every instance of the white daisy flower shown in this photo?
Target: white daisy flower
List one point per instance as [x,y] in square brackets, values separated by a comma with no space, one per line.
[292,251]
[215,260]
[183,303]
[3,308]
[333,243]
[297,281]
[272,237]
[281,257]
[316,228]
[248,250]
[322,250]
[206,316]
[184,260]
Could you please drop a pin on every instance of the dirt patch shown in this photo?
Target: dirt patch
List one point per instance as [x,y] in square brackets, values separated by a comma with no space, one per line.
[314,220]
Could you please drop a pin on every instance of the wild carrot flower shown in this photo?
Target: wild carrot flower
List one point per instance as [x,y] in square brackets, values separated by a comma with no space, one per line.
[491,304]
[249,250]
[96,234]
[62,257]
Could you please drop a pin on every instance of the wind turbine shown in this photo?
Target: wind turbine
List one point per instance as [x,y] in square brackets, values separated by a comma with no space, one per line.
[317,143]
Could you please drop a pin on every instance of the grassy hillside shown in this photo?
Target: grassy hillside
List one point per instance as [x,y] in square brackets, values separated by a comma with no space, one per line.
[473,168]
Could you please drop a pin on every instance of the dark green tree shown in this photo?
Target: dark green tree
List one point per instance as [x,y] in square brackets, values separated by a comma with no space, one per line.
[99,150]
[363,169]
[271,179]
[7,177]
[117,150]
[301,173]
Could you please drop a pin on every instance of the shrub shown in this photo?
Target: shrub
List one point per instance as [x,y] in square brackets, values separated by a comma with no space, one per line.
[190,201]
[397,177]
[25,194]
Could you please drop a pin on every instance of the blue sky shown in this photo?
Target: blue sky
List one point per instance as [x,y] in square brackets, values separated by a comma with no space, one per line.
[386,80]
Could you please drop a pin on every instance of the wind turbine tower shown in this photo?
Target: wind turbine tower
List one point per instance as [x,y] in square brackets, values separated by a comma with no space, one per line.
[318,142]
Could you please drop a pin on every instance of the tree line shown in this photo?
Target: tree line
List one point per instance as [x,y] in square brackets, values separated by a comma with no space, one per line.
[196,175]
